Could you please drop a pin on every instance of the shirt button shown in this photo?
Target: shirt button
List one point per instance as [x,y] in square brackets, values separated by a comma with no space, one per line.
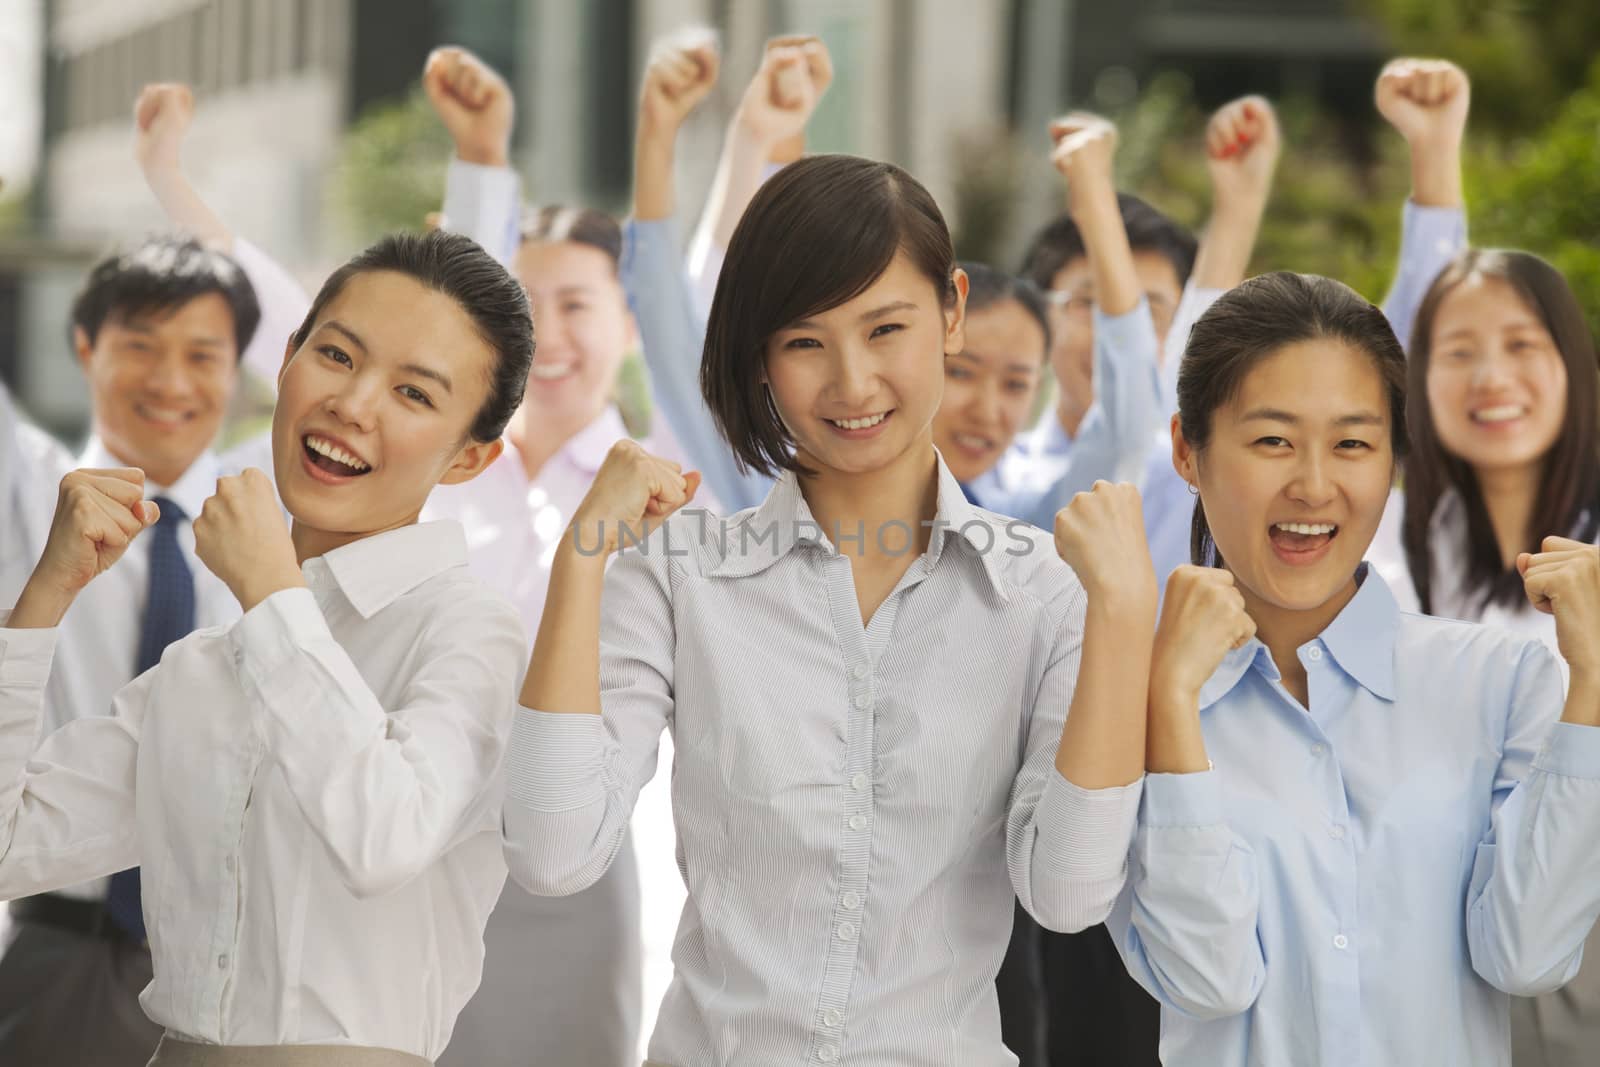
[827,1053]
[862,700]
[831,1017]
[859,671]
[851,900]
[222,962]
[1316,750]
[858,782]
[858,822]
[1315,654]
[847,931]
[1336,832]
[1340,941]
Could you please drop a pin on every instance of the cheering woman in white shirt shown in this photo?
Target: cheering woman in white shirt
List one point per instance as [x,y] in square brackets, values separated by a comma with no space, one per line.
[308,791]
[867,677]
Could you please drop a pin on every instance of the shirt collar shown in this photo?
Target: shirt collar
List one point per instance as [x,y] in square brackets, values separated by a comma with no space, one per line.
[375,571]
[784,520]
[1361,640]
[190,492]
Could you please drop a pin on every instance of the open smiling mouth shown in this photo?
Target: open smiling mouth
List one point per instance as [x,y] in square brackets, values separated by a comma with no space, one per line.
[1301,542]
[326,456]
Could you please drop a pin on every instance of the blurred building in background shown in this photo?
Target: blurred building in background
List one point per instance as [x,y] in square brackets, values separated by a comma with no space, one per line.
[282,83]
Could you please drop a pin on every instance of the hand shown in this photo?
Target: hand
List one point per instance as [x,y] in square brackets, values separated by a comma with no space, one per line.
[98,514]
[633,491]
[1202,620]
[1426,100]
[780,99]
[1085,146]
[1242,147]
[819,65]
[1563,579]
[161,118]
[682,69]
[241,537]
[473,102]
[1100,535]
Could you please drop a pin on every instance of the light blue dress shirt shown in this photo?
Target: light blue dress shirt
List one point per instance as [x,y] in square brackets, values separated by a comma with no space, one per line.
[1430,238]
[1363,882]
[1111,446]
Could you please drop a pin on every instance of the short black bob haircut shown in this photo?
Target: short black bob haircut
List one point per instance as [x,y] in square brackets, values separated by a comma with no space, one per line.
[158,276]
[1149,230]
[460,269]
[816,236]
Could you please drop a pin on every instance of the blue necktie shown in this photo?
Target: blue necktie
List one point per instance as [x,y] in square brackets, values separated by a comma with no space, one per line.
[168,616]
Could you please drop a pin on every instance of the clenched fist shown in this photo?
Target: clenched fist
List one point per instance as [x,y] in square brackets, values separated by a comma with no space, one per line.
[1100,535]
[473,102]
[241,537]
[633,491]
[98,514]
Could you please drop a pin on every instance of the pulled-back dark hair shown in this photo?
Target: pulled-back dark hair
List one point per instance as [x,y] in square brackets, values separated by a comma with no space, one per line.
[458,267]
[1256,319]
[1568,504]
[1149,230]
[582,225]
[987,286]
[816,236]
[158,275]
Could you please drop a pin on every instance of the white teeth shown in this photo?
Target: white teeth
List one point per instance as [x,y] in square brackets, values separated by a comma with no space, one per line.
[859,424]
[1306,529]
[979,444]
[1503,413]
[550,372]
[334,452]
[158,415]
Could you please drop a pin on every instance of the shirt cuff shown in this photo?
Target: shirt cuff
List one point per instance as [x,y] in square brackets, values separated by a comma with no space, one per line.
[25,655]
[276,630]
[1572,751]
[553,764]
[1181,800]
[482,202]
[1436,232]
[1132,331]
[1089,829]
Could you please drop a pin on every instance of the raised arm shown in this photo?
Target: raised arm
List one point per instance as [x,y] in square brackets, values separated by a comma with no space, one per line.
[1427,101]
[483,194]
[682,71]
[162,116]
[573,773]
[1186,926]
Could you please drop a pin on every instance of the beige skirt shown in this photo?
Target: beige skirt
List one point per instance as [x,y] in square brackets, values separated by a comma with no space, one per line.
[173,1052]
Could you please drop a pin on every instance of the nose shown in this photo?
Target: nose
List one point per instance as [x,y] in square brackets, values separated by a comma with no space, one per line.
[1490,370]
[355,402]
[167,376]
[855,379]
[987,408]
[1312,484]
[549,324]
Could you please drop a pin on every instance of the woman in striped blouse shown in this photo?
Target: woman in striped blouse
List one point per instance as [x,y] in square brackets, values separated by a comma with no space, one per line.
[867,677]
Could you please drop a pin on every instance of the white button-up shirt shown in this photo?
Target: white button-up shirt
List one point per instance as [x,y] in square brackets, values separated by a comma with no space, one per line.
[311,794]
[855,805]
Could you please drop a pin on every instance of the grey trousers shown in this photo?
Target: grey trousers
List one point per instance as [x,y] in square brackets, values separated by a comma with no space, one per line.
[72,1000]
[561,979]
[176,1053]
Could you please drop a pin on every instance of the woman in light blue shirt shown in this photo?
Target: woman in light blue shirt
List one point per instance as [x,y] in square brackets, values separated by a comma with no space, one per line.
[867,678]
[1397,832]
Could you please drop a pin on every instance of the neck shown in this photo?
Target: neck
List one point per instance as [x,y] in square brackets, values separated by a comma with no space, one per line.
[537,435]
[905,491]
[310,542]
[1285,630]
[1509,495]
[1070,415]
[164,475]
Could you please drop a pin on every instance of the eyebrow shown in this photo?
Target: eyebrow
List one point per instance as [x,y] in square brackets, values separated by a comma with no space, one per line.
[1021,368]
[1360,418]
[870,316]
[410,368]
[144,329]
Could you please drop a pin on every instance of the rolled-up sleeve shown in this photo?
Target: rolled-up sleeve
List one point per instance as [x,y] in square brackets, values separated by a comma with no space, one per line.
[572,779]
[1186,923]
[1430,237]
[1535,890]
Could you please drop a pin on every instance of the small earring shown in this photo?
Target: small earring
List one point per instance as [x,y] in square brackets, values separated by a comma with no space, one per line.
[1194,490]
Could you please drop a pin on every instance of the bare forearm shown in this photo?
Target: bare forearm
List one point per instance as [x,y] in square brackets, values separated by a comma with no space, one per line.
[1436,174]
[40,606]
[185,209]
[1583,701]
[1099,220]
[1174,744]
[1230,238]
[1102,743]
[654,192]
[564,672]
